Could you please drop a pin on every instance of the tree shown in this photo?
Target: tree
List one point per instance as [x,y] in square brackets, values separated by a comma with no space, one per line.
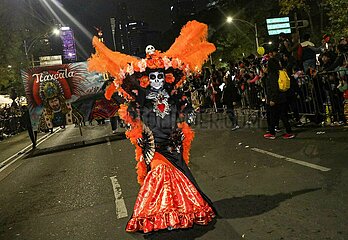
[16,25]
[10,62]
[337,12]
[287,6]
[233,44]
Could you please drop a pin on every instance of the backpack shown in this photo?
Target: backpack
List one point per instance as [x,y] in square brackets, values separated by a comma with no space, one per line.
[283,81]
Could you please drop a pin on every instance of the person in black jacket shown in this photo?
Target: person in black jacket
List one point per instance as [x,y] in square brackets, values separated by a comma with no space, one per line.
[276,100]
[230,98]
[289,63]
[32,134]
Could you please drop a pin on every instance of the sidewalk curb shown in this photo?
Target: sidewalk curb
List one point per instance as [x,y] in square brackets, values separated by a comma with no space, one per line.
[86,143]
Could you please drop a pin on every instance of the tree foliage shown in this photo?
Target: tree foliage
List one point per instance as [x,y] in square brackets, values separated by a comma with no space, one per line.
[287,6]
[17,23]
[237,39]
[233,43]
[9,47]
[337,12]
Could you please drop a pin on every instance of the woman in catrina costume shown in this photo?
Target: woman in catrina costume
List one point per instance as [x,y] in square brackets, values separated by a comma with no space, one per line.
[158,116]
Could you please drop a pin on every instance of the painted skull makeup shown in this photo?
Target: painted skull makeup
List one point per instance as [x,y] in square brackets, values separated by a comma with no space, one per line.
[156,80]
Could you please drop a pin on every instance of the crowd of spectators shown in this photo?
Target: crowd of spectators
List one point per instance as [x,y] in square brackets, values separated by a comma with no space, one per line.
[12,120]
[318,77]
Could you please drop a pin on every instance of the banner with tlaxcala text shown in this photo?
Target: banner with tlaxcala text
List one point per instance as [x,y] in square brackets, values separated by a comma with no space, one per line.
[51,92]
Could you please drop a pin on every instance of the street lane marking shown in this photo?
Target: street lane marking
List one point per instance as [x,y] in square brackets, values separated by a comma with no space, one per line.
[121,210]
[25,150]
[306,164]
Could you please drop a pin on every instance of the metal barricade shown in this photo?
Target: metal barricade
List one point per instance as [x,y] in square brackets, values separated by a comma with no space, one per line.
[316,98]
[333,100]
[307,96]
[320,97]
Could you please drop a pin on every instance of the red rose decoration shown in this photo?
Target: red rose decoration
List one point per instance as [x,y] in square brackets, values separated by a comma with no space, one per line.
[159,63]
[170,78]
[144,81]
[136,67]
[150,63]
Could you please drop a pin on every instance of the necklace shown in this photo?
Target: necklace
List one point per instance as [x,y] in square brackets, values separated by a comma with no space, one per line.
[161,106]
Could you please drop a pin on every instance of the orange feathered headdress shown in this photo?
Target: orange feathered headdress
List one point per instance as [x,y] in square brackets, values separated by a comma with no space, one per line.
[187,55]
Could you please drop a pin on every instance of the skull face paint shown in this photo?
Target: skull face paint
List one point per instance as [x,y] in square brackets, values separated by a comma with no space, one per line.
[156,80]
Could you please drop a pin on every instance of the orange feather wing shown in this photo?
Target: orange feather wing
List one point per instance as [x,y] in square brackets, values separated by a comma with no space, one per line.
[192,46]
[106,60]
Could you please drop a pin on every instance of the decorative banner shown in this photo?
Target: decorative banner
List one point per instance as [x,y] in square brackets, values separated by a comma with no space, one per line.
[51,92]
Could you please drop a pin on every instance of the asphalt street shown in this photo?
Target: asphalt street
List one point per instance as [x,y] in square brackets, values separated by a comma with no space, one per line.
[84,187]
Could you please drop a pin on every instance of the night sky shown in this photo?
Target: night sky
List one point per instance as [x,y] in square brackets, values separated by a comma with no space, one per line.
[92,13]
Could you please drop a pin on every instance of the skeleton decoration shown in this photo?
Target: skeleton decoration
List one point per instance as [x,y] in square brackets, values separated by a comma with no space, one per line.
[156,80]
[150,49]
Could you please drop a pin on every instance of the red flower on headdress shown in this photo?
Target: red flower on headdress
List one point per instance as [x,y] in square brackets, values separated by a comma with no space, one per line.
[159,62]
[144,81]
[150,63]
[136,67]
[170,78]
[175,63]
[154,63]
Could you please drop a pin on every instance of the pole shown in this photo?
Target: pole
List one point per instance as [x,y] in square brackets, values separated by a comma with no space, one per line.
[32,60]
[255,29]
[296,24]
[26,49]
[113,28]
[256,37]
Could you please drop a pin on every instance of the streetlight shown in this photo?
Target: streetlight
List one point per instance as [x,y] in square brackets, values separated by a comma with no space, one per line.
[56,31]
[268,43]
[27,47]
[231,19]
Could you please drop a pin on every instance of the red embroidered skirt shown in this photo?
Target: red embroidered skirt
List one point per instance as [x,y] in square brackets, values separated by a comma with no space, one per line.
[168,199]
